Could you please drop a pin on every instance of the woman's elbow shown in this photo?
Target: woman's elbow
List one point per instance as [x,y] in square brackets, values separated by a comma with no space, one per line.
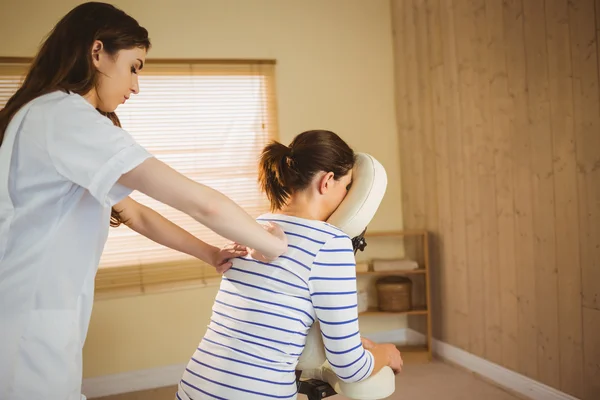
[204,211]
[353,379]
[128,212]
[356,374]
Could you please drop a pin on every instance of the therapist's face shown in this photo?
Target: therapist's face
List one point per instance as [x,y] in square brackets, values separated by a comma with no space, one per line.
[117,75]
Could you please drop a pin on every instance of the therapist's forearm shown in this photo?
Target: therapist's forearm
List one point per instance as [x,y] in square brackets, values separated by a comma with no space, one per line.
[162,231]
[206,205]
[230,221]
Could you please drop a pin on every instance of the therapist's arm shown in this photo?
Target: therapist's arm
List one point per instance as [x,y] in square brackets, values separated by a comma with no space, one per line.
[207,206]
[157,228]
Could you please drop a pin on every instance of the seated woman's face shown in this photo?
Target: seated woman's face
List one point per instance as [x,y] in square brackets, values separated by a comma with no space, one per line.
[337,193]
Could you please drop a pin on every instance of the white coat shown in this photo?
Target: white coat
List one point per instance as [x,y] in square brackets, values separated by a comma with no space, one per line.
[59,165]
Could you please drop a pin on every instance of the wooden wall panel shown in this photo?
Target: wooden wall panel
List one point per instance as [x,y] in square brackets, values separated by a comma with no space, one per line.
[442,305]
[457,266]
[522,181]
[541,154]
[501,112]
[467,43]
[565,194]
[591,367]
[499,120]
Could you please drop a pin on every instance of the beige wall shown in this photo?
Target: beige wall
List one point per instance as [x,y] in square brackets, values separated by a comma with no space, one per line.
[499,116]
[334,71]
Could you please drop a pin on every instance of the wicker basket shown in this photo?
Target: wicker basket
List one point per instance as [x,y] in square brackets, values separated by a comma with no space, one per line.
[394,293]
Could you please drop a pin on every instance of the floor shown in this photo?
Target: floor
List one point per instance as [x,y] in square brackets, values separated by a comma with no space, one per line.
[435,380]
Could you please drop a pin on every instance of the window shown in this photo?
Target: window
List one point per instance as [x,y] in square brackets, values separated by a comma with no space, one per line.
[207,119]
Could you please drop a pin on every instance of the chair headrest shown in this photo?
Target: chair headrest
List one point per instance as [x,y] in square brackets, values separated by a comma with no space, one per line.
[369,182]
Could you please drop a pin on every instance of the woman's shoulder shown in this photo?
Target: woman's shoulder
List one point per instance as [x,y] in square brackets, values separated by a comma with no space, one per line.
[60,104]
[293,224]
[68,111]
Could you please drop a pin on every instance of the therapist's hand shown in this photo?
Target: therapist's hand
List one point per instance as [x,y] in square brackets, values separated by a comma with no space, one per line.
[275,230]
[221,258]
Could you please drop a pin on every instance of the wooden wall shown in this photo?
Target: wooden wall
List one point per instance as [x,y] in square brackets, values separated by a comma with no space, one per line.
[499,120]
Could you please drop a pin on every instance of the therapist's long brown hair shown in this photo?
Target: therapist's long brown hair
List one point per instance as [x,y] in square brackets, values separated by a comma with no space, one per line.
[64,61]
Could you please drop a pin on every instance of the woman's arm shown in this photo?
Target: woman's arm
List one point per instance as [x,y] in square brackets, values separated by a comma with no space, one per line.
[154,226]
[332,285]
[205,205]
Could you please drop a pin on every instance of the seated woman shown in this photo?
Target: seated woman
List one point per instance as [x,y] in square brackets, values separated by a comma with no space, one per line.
[263,311]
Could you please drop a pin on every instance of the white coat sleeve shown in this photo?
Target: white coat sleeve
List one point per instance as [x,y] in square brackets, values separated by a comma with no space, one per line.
[87,149]
[332,285]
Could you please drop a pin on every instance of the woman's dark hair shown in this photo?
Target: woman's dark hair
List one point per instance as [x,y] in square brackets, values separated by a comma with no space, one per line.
[285,170]
[64,61]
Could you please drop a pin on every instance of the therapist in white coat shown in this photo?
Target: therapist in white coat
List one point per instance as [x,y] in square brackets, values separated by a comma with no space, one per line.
[65,164]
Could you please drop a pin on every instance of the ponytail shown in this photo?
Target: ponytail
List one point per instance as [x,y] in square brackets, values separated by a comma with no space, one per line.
[276,174]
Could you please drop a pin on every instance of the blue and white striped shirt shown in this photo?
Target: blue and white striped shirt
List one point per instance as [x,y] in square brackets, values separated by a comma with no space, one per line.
[263,312]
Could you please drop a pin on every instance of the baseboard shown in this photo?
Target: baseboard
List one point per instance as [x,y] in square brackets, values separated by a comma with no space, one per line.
[132,381]
[502,376]
[404,336]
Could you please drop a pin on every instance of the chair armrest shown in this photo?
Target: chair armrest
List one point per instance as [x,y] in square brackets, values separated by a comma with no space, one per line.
[375,387]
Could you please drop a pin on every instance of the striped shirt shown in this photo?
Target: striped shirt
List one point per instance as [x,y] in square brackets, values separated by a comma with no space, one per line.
[263,311]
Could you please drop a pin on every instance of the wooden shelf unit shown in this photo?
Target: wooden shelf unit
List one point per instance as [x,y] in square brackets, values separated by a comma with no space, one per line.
[386,273]
[375,311]
[410,353]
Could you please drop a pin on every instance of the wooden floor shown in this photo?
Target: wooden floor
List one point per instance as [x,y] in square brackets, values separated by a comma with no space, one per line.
[434,380]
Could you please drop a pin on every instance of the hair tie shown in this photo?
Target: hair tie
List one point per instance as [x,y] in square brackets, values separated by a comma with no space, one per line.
[289,157]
